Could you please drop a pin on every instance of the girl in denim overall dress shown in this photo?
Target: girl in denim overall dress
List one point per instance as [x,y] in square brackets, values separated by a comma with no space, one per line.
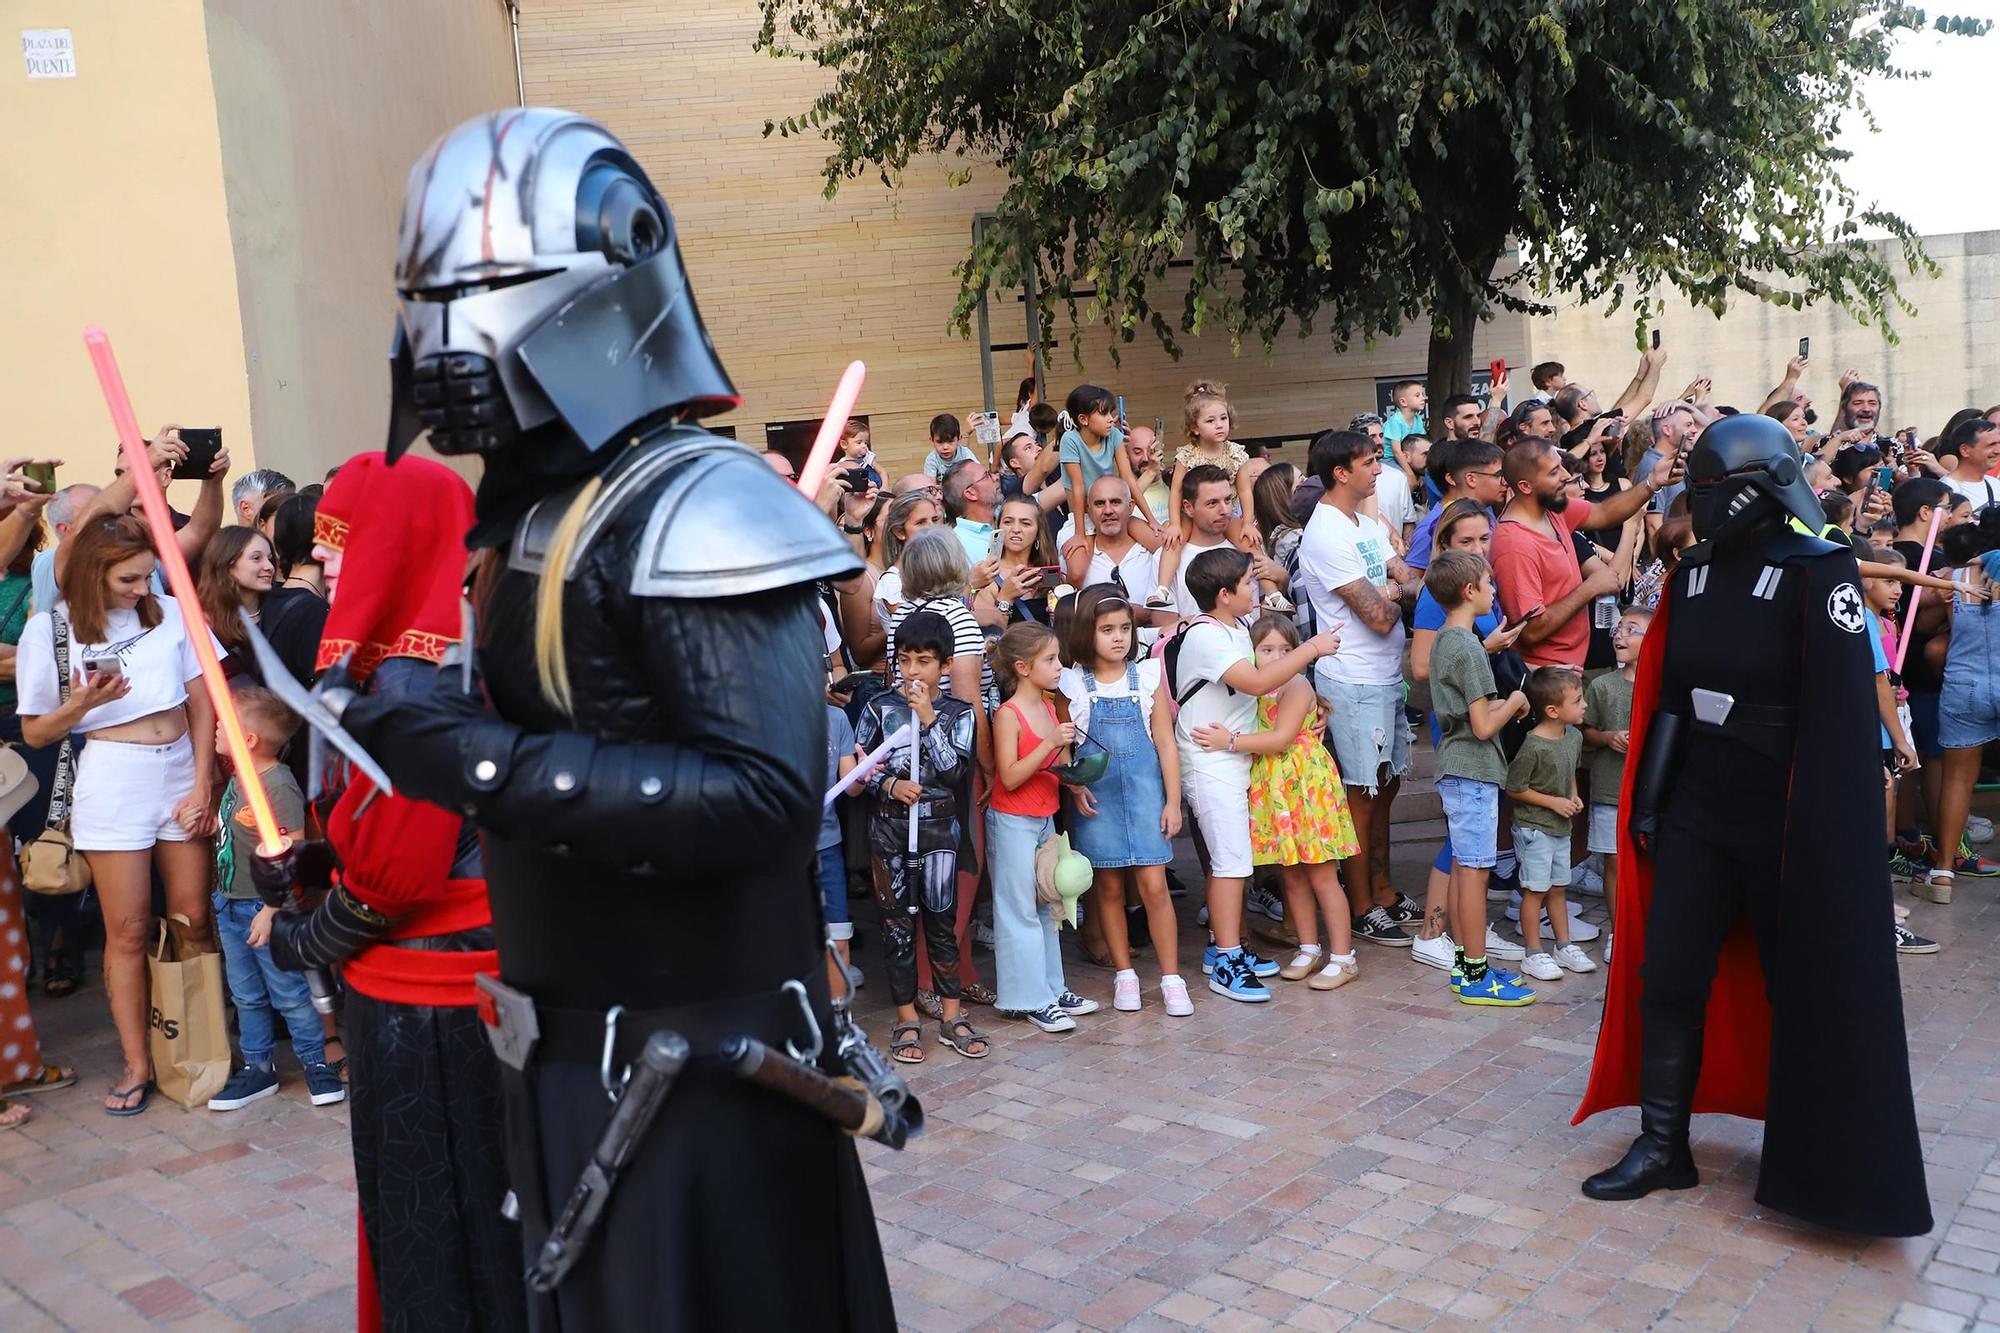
[1125,820]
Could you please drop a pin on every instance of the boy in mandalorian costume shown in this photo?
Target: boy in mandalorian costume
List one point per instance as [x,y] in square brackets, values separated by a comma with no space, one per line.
[1758,980]
[647,779]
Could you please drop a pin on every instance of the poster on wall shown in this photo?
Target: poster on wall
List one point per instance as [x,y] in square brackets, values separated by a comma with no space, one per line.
[50,53]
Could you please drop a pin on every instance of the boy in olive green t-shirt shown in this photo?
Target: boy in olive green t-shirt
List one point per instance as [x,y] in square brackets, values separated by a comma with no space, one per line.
[1541,781]
[1470,768]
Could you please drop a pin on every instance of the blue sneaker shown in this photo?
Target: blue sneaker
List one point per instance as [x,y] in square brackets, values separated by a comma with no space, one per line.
[1496,989]
[1233,977]
[1263,967]
[323,1084]
[252,1083]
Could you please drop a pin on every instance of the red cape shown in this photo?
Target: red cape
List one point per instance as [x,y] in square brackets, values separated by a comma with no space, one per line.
[1736,1052]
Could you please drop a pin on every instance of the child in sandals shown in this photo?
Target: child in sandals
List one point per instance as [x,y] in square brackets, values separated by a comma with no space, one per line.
[919,886]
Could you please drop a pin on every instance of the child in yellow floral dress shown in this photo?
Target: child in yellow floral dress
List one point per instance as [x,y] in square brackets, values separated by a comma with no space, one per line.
[1298,815]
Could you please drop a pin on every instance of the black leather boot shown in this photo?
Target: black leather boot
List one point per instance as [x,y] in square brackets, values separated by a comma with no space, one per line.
[1658,1159]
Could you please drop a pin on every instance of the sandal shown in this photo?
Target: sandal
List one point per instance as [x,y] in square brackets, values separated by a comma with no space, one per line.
[60,985]
[14,1114]
[958,1035]
[978,993]
[50,1079]
[907,1050]
[144,1092]
[929,1005]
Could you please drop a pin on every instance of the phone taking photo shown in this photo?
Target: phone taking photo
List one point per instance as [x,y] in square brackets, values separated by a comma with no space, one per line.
[1656,340]
[40,477]
[1527,615]
[107,665]
[1805,347]
[202,447]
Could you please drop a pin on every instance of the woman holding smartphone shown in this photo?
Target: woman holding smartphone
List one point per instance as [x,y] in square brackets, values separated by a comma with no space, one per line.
[141,795]
[1025,567]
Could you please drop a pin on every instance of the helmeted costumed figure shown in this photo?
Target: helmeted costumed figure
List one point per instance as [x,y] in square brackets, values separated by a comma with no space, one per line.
[1755,973]
[647,780]
[409,927]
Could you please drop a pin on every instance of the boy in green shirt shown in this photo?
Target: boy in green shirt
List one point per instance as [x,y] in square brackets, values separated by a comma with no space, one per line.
[1470,767]
[1541,780]
[1607,729]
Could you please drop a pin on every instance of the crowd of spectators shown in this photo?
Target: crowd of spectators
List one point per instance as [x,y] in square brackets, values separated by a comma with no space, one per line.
[1103,644]
[1192,638]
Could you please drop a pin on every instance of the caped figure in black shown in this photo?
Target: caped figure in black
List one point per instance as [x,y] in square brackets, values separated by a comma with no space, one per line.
[647,779]
[1755,972]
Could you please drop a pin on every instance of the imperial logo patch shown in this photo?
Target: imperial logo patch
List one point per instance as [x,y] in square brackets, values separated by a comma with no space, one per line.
[1843,608]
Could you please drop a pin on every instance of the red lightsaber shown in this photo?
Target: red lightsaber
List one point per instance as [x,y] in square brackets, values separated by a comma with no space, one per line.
[271,838]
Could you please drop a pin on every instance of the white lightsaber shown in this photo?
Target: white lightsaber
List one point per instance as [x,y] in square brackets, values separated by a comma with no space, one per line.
[869,763]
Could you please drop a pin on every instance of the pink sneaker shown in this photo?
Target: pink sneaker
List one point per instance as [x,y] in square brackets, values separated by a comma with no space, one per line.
[1125,992]
[1175,992]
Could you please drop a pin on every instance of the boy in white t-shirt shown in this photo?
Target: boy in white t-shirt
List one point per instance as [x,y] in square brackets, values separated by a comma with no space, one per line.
[1216,678]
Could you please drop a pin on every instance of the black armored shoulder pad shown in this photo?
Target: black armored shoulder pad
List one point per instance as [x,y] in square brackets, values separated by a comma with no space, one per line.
[720,522]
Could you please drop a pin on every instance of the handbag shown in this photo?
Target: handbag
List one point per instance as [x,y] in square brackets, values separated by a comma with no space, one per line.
[50,863]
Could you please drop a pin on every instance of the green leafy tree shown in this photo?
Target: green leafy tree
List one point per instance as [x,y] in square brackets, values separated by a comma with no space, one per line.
[1356,166]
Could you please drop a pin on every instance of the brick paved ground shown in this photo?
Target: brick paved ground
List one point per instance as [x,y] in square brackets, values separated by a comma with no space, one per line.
[1378,1157]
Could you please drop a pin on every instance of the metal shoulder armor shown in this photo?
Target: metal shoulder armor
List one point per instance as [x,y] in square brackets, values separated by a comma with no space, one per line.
[721,523]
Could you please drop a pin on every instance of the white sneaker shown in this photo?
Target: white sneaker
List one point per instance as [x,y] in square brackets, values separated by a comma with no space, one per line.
[1584,879]
[1125,992]
[1979,828]
[982,933]
[1499,948]
[1541,967]
[1264,903]
[1579,929]
[1175,992]
[1573,958]
[1439,953]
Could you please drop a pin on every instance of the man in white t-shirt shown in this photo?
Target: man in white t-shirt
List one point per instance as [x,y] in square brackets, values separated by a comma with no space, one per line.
[1111,554]
[1218,679]
[1978,443]
[1208,500]
[1358,588]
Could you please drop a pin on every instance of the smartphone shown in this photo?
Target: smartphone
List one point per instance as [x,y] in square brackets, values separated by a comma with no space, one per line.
[1525,617]
[1121,411]
[1885,477]
[108,665]
[1046,572]
[1805,347]
[1656,338]
[41,477]
[202,446]
[847,684]
[1498,370]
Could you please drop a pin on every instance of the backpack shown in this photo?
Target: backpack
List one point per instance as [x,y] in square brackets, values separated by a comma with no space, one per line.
[1168,652]
[1302,607]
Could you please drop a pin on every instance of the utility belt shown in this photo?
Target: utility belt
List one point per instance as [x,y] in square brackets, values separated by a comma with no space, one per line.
[771,1039]
[1766,729]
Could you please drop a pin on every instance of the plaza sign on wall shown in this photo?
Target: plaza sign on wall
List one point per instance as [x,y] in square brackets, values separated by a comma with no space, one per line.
[50,53]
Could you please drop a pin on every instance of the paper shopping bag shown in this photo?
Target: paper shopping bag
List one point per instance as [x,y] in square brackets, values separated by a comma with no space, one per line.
[186,1027]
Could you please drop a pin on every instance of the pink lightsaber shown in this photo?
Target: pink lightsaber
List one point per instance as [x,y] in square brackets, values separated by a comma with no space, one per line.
[837,412]
[1916,593]
[271,838]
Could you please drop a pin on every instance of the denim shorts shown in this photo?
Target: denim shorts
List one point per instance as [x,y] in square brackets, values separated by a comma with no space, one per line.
[1472,818]
[1544,858]
[1969,707]
[832,875]
[1369,731]
[1604,828]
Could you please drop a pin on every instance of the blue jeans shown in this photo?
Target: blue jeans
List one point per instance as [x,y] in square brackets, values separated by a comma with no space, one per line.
[1026,957]
[832,876]
[257,986]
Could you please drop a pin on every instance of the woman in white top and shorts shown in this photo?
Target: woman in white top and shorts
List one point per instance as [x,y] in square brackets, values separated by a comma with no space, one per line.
[143,779]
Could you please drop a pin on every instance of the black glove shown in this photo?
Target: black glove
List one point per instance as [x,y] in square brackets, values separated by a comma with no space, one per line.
[1654,779]
[334,932]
